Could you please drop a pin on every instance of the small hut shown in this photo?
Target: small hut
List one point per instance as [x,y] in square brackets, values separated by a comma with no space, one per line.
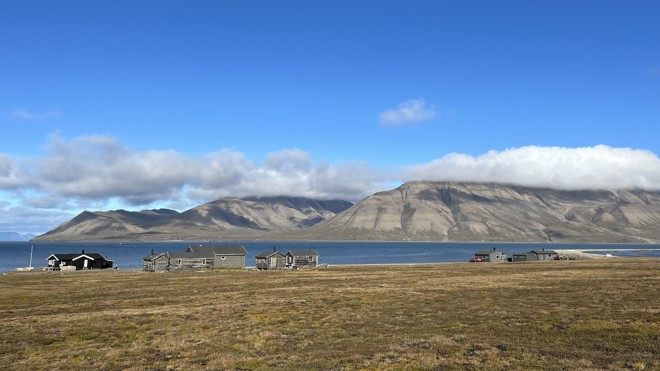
[270,260]
[302,259]
[155,262]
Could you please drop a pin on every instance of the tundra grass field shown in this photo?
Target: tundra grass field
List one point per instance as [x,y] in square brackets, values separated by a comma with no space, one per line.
[596,314]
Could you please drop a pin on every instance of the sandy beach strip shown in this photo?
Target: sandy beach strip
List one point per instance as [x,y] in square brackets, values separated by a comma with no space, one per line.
[581,254]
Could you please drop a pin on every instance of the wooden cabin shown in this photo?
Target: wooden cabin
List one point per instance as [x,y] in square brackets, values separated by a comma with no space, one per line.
[494,256]
[543,254]
[155,262]
[296,259]
[198,257]
[80,261]
[270,260]
[520,257]
[57,261]
[229,256]
[536,255]
[188,261]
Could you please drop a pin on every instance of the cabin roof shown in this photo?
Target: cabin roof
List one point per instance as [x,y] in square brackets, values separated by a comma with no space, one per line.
[488,252]
[303,253]
[210,250]
[91,256]
[76,256]
[540,252]
[268,254]
[189,255]
[153,256]
[62,256]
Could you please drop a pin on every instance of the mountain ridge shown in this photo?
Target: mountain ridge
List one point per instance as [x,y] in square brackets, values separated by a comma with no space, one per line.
[493,212]
[228,217]
[414,211]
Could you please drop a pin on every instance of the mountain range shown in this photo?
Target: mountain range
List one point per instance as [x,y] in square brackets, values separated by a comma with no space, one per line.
[226,218]
[415,211]
[14,236]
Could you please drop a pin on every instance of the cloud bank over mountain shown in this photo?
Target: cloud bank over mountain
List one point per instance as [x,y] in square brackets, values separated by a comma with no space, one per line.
[598,167]
[99,172]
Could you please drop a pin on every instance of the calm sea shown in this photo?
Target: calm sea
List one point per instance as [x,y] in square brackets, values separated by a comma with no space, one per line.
[128,255]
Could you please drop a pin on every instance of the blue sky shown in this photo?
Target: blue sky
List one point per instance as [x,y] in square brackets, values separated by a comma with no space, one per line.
[141,104]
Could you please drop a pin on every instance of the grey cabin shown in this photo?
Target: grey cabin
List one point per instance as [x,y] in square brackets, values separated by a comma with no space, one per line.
[197,258]
[494,255]
[302,259]
[270,260]
[69,261]
[536,255]
[544,254]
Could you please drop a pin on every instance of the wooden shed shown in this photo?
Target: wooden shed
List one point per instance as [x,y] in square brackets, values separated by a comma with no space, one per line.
[302,259]
[270,260]
[189,261]
[155,262]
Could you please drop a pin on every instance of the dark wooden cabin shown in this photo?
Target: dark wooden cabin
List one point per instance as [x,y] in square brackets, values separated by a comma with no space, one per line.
[536,255]
[79,261]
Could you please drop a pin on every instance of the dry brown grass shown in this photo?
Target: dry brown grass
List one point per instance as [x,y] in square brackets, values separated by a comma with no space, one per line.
[554,315]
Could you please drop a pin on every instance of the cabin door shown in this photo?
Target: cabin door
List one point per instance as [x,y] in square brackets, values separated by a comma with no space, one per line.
[86,263]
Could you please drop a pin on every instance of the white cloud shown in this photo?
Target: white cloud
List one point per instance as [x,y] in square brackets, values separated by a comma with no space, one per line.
[99,173]
[95,168]
[599,167]
[22,114]
[13,173]
[412,110]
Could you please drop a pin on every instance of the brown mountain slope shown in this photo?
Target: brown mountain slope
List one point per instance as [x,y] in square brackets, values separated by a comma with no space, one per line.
[416,211]
[446,211]
[226,218]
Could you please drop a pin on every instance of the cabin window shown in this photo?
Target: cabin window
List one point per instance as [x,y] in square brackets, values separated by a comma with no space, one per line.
[223,257]
[204,261]
[179,261]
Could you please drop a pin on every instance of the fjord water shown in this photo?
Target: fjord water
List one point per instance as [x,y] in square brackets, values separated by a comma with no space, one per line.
[128,255]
